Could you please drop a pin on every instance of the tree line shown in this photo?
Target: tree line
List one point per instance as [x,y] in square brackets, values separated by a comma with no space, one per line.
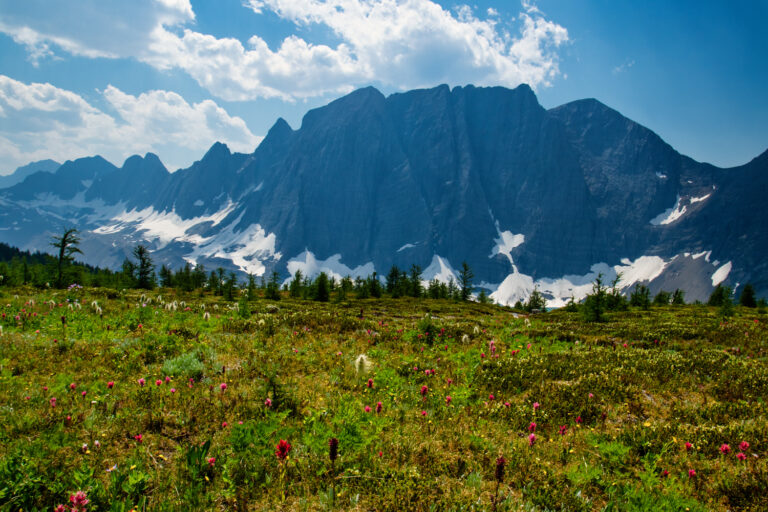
[44,270]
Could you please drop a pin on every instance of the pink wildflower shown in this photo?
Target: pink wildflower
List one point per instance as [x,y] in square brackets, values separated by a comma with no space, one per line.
[536,406]
[224,424]
[743,446]
[491,397]
[741,456]
[424,413]
[79,499]
[268,402]
[223,386]
[424,390]
[367,408]
[211,461]
[167,379]
[688,446]
[110,385]
[141,382]
[173,390]
[138,438]
[578,419]
[531,439]
[283,447]
[563,430]
[378,407]
[72,386]
[370,384]
[53,402]
[724,449]
[532,427]
[691,473]
[448,400]
[158,382]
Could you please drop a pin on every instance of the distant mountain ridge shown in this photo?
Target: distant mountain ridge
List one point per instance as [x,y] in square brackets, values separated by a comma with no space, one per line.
[22,172]
[529,197]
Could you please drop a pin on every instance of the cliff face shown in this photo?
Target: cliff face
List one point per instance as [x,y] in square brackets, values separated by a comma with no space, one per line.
[527,196]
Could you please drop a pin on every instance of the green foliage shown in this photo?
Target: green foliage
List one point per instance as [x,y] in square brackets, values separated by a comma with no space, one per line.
[747,297]
[536,301]
[641,297]
[593,309]
[662,298]
[630,391]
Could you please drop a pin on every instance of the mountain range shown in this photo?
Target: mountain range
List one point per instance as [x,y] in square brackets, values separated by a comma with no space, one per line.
[528,197]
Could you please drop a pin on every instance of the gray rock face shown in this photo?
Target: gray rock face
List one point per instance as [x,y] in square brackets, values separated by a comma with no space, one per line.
[526,196]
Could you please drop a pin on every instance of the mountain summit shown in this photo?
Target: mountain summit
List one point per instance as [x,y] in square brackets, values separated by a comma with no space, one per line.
[529,197]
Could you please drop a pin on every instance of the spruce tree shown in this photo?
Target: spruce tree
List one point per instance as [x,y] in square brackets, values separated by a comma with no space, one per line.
[322,289]
[465,279]
[747,298]
[144,268]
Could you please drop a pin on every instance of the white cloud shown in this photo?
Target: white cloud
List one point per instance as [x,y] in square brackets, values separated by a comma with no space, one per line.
[43,121]
[624,66]
[400,43]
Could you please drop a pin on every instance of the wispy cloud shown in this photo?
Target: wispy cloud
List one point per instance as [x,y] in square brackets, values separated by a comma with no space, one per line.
[43,121]
[621,68]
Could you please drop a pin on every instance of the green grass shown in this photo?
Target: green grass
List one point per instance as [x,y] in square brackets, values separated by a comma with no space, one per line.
[630,393]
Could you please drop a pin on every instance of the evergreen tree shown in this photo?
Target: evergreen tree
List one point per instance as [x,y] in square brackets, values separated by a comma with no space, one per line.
[536,301]
[720,295]
[414,282]
[747,298]
[322,289]
[678,297]
[482,297]
[251,294]
[297,283]
[213,283]
[465,279]
[374,286]
[345,288]
[144,268]
[433,291]
[127,279]
[392,280]
[273,287]
[67,244]
[641,297]
[166,276]
[230,286]
[614,300]
[662,298]
[594,304]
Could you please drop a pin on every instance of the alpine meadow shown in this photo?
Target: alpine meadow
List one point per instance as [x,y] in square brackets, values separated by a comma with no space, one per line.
[383,255]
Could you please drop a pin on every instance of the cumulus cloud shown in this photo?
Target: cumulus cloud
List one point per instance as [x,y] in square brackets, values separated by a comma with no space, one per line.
[400,43]
[40,121]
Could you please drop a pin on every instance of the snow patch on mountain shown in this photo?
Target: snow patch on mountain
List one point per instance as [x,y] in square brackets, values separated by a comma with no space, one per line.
[505,242]
[247,249]
[518,286]
[311,266]
[163,227]
[721,274]
[700,199]
[407,246]
[670,215]
[439,268]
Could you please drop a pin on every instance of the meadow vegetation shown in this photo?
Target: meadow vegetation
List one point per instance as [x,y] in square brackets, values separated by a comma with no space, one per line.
[167,400]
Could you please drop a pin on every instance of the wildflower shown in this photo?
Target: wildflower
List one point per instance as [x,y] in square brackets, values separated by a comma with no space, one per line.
[691,473]
[211,461]
[110,385]
[491,397]
[333,448]
[268,402]
[45,388]
[79,499]
[167,379]
[60,508]
[84,393]
[500,463]
[482,355]
[507,404]
[141,382]
[741,456]
[688,446]
[378,407]
[424,390]
[448,400]
[72,386]
[449,381]
[743,446]
[283,447]
[536,406]
[97,444]
[138,437]
[532,427]
[370,384]
[381,453]
[563,430]
[578,419]
[531,439]
[424,413]
[84,447]
[53,402]
[223,386]
[664,474]
[158,382]
[173,390]
[591,395]
[367,408]
[724,449]
[224,424]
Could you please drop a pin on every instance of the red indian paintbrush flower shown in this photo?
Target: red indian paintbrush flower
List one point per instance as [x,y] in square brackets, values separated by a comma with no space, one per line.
[283,447]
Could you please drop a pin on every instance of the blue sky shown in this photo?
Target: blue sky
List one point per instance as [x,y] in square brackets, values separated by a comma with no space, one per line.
[116,78]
